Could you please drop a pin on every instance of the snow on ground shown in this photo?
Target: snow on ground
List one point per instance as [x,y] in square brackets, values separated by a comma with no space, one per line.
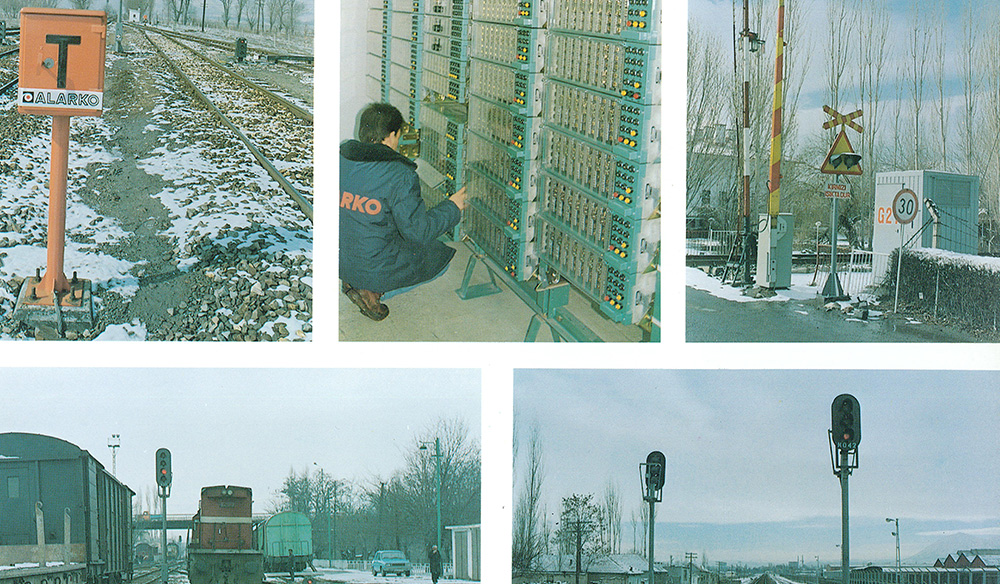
[800,289]
[134,331]
[24,198]
[358,576]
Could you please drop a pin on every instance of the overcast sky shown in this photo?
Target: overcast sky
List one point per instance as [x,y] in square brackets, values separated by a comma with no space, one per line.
[239,426]
[716,17]
[749,475]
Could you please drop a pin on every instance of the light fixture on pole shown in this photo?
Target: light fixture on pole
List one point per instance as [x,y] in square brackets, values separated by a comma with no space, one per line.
[437,471]
[896,533]
[114,443]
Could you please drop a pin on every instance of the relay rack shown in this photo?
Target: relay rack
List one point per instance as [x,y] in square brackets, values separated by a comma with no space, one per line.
[549,112]
[599,192]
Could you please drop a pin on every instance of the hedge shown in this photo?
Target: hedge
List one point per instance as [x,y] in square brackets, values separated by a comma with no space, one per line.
[965,288]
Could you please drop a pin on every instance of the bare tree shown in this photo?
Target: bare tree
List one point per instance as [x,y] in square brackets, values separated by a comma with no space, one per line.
[529,533]
[240,6]
[709,154]
[226,6]
[611,529]
[941,105]
[919,38]
[873,31]
[579,529]
[971,80]
[80,4]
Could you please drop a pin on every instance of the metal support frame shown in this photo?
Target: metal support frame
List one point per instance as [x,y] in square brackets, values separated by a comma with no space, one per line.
[844,460]
[548,302]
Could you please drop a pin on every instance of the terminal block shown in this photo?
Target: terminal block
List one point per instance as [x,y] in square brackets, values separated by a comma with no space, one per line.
[515,214]
[625,241]
[449,8]
[623,295]
[518,47]
[406,80]
[631,20]
[530,13]
[631,130]
[515,131]
[520,91]
[457,28]
[631,187]
[442,135]
[407,25]
[627,69]
[515,255]
[507,166]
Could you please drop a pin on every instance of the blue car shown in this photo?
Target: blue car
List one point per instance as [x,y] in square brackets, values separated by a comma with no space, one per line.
[390,562]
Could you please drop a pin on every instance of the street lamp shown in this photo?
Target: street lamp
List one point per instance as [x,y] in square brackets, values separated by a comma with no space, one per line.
[437,470]
[114,443]
[896,533]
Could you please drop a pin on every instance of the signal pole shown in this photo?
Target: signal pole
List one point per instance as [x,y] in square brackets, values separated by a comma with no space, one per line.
[114,443]
[164,477]
[845,435]
[654,476]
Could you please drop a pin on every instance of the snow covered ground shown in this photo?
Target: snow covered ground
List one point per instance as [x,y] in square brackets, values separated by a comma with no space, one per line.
[800,290]
[358,576]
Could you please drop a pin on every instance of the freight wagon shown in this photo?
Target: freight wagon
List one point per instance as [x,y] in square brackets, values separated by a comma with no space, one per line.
[281,533]
[63,514]
[220,546]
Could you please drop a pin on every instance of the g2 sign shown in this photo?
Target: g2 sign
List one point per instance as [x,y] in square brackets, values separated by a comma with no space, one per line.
[61,68]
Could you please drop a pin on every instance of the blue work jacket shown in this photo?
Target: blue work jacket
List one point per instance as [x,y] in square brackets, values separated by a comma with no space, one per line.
[388,237]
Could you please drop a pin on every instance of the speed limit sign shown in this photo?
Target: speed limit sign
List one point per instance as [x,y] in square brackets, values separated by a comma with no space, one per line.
[904,206]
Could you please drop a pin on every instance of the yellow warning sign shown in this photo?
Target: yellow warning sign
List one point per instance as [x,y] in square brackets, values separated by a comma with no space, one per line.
[842,158]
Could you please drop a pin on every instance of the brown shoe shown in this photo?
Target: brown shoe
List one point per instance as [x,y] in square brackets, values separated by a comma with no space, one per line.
[367,301]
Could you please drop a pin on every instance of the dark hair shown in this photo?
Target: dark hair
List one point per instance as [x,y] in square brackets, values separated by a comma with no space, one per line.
[378,120]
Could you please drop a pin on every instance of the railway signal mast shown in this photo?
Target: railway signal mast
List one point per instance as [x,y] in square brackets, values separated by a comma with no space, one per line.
[654,472]
[845,435]
[164,477]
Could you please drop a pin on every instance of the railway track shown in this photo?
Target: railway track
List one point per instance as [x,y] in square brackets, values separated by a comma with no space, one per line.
[8,66]
[228,46]
[278,133]
[152,575]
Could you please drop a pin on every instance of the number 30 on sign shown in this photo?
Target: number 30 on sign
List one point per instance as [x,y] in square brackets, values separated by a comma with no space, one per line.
[904,206]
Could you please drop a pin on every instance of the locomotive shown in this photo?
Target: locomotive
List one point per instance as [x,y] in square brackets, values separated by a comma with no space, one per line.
[220,548]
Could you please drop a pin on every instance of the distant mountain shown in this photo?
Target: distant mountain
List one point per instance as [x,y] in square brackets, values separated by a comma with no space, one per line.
[950,544]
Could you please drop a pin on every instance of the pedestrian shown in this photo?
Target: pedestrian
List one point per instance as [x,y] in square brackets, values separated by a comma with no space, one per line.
[291,566]
[435,561]
[388,237]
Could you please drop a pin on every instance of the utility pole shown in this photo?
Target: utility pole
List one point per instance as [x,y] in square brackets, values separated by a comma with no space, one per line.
[690,557]
[204,3]
[118,30]
[751,44]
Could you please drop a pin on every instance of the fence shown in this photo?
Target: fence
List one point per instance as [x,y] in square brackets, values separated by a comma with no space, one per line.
[710,242]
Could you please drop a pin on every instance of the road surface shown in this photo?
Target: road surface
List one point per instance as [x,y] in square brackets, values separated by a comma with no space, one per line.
[713,319]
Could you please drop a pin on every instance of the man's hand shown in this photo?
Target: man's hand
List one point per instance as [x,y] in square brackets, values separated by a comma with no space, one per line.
[459,198]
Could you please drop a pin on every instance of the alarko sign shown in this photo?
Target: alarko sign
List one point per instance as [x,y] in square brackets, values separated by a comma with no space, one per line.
[61,97]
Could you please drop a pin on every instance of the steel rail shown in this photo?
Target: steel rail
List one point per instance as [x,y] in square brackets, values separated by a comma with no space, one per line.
[298,111]
[224,45]
[286,186]
[8,85]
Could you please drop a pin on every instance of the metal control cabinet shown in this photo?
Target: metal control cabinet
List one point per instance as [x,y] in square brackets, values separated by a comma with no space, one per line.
[774,251]
[956,196]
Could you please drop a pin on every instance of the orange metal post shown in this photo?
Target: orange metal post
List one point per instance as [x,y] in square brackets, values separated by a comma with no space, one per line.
[54,280]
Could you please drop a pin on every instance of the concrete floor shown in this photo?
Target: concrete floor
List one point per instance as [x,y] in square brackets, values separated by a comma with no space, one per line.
[433,312]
